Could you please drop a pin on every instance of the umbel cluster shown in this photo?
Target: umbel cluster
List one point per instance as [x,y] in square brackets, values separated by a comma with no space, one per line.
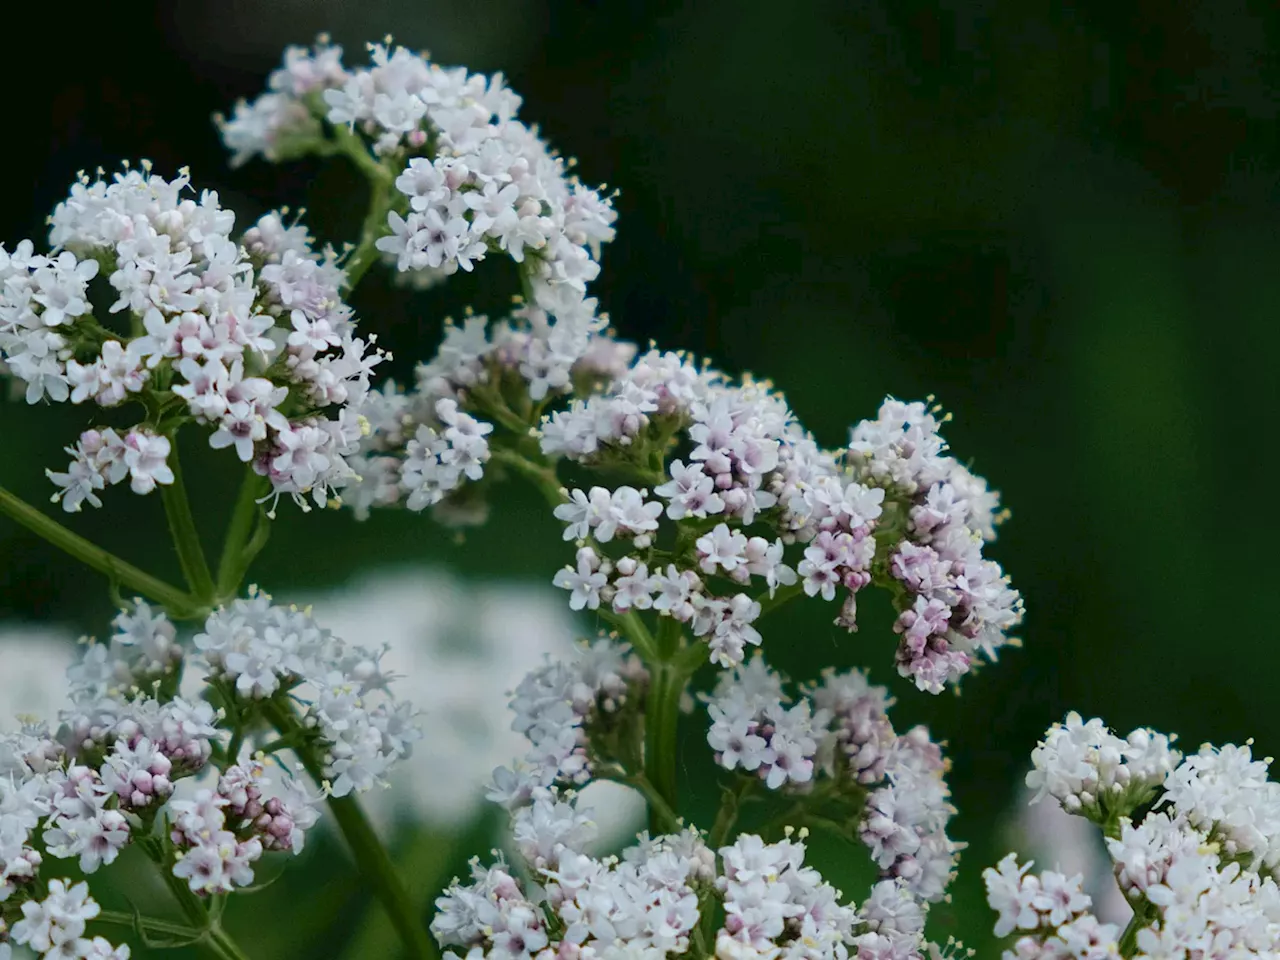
[213,725]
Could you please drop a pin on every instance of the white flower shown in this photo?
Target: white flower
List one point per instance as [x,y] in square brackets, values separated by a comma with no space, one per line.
[722,548]
[59,918]
[146,455]
[584,512]
[1011,893]
[584,582]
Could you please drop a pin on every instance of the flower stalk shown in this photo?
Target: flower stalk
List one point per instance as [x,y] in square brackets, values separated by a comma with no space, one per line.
[180,604]
[182,528]
[370,854]
[247,533]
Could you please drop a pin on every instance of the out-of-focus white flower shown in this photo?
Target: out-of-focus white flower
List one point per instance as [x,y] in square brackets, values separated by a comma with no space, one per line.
[460,649]
[1071,845]
[34,662]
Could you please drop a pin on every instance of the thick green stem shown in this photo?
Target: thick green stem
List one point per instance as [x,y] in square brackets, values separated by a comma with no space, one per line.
[246,536]
[727,815]
[182,527]
[349,143]
[371,856]
[222,945]
[425,857]
[662,818]
[670,667]
[146,924]
[632,627]
[662,714]
[212,939]
[1143,914]
[542,477]
[378,870]
[178,603]
[366,253]
[374,227]
[237,742]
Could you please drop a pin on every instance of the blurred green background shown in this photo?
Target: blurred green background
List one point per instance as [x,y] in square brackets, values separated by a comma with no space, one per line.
[1060,219]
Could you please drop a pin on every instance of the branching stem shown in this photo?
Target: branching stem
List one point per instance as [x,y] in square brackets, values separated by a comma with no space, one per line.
[1143,914]
[182,527]
[542,477]
[370,854]
[374,227]
[246,536]
[179,604]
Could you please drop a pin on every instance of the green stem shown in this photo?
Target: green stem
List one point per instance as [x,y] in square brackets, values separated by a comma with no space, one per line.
[371,856]
[223,946]
[278,744]
[426,857]
[542,477]
[378,870]
[147,924]
[663,819]
[727,815]
[237,742]
[246,536]
[1143,914]
[780,596]
[192,907]
[350,144]
[178,603]
[662,715]
[182,527]
[491,403]
[726,819]
[670,667]
[213,940]
[632,627]
[374,227]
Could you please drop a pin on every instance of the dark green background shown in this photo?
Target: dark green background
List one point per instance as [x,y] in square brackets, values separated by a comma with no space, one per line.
[1059,219]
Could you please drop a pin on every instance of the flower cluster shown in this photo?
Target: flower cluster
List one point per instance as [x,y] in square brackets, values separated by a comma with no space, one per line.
[423,445]
[742,464]
[776,906]
[658,897]
[248,338]
[113,765]
[655,900]
[1197,868]
[470,178]
[726,481]
[142,650]
[953,602]
[1091,771]
[646,901]
[279,125]
[559,707]
[55,926]
[1051,910]
[157,749]
[754,728]
[266,651]
[837,746]
[220,832]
